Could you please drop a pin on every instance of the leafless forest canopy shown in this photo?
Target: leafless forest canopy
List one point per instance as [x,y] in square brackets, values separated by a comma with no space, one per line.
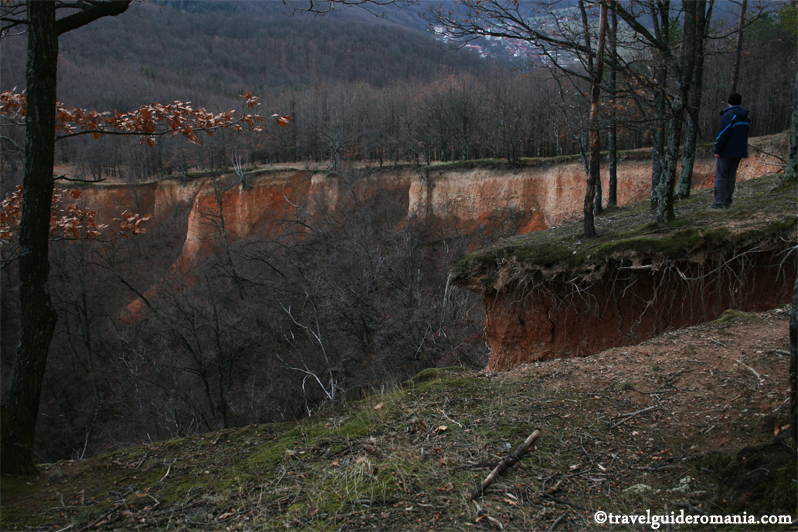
[275,326]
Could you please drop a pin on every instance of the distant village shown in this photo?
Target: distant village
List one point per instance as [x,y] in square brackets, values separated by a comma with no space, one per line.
[559,20]
[496,47]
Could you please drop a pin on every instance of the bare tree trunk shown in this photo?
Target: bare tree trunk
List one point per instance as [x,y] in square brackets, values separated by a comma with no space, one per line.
[612,194]
[21,408]
[657,152]
[694,102]
[739,53]
[791,173]
[688,152]
[595,143]
[791,170]
[660,17]
[794,361]
[666,186]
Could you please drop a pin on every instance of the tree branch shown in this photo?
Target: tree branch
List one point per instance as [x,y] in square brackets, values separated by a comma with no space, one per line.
[13,143]
[90,10]
[73,180]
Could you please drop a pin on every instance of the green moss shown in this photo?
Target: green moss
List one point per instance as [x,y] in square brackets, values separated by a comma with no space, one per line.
[548,254]
[679,223]
[785,185]
[17,488]
[272,452]
[490,278]
[434,374]
[782,225]
[358,426]
[733,314]
[514,432]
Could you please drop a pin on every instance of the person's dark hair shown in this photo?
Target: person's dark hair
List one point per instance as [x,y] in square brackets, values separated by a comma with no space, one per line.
[735,99]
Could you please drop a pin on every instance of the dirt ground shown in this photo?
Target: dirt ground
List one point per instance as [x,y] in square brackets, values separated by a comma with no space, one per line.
[692,421]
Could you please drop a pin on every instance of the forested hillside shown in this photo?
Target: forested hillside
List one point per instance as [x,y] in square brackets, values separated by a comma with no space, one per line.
[209,53]
[161,53]
[361,88]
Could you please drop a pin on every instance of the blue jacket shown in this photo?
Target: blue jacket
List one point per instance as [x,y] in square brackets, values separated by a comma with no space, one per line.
[732,138]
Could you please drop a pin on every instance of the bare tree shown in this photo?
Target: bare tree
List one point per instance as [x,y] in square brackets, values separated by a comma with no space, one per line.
[39,19]
[791,171]
[596,71]
[19,410]
[559,42]
[703,17]
[691,34]
[739,53]
[612,135]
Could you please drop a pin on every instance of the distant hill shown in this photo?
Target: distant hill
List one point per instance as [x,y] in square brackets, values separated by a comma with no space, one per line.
[209,52]
[408,16]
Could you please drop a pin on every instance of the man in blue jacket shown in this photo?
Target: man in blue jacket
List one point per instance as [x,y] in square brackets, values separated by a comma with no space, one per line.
[730,146]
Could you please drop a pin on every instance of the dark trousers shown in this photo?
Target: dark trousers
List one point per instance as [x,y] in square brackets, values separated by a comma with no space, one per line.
[725,179]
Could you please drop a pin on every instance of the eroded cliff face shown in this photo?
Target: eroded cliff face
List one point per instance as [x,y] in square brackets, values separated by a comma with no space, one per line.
[552,193]
[222,210]
[469,201]
[555,318]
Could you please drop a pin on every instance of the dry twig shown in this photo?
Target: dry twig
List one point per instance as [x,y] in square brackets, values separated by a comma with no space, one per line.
[759,379]
[630,415]
[504,464]
[168,469]
[556,522]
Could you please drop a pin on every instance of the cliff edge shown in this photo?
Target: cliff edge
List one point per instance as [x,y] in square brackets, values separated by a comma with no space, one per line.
[554,294]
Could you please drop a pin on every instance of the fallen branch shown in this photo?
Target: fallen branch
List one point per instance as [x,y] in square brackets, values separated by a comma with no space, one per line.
[168,469]
[104,518]
[450,419]
[782,404]
[759,379]
[482,515]
[763,152]
[552,490]
[556,522]
[630,415]
[504,464]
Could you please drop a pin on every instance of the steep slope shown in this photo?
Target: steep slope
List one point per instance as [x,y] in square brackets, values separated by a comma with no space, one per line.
[675,425]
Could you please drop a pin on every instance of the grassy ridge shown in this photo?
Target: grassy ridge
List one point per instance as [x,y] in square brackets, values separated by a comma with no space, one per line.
[764,208]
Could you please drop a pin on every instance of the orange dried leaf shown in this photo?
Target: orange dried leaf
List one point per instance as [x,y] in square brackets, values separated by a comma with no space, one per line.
[282,121]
